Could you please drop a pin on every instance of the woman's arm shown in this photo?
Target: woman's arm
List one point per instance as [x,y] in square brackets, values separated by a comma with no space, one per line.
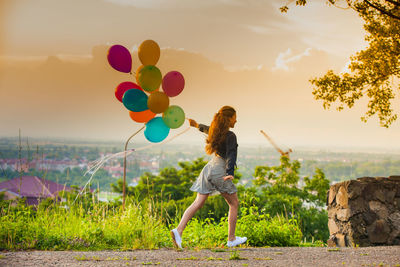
[231,154]
[202,128]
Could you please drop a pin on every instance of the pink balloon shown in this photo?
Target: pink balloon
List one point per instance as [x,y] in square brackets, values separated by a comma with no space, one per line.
[123,87]
[173,83]
[120,58]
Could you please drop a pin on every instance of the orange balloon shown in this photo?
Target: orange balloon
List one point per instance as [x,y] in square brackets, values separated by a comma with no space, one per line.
[158,102]
[149,52]
[137,73]
[142,116]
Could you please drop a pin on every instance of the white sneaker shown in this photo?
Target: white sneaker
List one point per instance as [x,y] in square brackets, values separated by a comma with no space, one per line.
[176,238]
[239,240]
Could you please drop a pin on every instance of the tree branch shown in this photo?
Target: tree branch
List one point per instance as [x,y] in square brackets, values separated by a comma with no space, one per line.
[382,10]
[396,3]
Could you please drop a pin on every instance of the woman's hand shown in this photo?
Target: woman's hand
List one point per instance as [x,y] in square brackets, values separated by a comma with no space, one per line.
[228,177]
[193,123]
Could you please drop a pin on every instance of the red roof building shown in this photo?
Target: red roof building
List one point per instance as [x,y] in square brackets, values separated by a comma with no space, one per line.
[33,188]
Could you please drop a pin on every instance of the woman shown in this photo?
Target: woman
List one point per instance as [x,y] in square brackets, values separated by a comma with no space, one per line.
[217,175]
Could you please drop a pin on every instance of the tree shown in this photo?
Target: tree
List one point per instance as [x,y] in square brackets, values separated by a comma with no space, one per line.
[170,183]
[374,71]
[277,191]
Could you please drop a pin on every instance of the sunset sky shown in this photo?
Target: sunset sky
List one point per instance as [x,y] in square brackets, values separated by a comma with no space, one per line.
[55,80]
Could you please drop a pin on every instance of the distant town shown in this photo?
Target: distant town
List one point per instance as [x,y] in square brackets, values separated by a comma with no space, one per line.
[66,162]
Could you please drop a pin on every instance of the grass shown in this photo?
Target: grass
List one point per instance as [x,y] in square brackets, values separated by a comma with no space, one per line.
[102,226]
[191,258]
[219,250]
[235,256]
[82,258]
[96,258]
[214,259]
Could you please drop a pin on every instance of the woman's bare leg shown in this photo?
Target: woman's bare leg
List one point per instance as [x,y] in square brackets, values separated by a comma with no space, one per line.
[233,202]
[190,211]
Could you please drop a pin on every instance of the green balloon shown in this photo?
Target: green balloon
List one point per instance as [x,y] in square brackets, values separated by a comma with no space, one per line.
[174,117]
[150,78]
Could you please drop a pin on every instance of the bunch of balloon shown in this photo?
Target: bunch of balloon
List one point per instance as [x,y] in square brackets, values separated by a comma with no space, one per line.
[143,99]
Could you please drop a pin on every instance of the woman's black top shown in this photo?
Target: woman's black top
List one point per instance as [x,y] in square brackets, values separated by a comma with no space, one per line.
[227,150]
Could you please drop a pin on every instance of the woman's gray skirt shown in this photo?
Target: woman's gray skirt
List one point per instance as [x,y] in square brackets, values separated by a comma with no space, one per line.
[211,178]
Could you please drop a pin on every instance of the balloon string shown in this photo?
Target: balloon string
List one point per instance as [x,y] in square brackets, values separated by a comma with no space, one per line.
[97,166]
[100,162]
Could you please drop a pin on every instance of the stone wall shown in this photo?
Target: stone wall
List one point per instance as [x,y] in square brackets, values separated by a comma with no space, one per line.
[364,212]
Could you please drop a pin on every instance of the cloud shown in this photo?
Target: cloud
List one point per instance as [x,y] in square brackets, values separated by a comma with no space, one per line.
[140,3]
[67,99]
[318,24]
[155,4]
[287,57]
[260,29]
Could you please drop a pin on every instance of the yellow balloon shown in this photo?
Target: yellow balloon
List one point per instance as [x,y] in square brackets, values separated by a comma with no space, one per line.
[149,78]
[149,52]
[158,102]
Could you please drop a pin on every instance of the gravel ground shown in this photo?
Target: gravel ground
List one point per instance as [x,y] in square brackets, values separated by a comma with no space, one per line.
[288,256]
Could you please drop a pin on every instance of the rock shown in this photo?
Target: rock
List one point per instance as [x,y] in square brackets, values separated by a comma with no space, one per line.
[331,241]
[340,240]
[332,195]
[389,196]
[364,242]
[342,198]
[394,237]
[369,217]
[354,189]
[395,177]
[361,230]
[378,232]
[332,212]
[349,241]
[357,206]
[333,228]
[394,218]
[379,195]
[397,202]
[369,191]
[398,191]
[343,214]
[379,208]
[365,212]
[366,179]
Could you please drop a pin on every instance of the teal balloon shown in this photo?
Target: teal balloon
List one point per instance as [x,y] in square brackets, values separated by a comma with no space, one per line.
[156,130]
[135,100]
[174,117]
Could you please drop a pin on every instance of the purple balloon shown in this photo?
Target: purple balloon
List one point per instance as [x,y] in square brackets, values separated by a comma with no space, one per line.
[173,83]
[120,58]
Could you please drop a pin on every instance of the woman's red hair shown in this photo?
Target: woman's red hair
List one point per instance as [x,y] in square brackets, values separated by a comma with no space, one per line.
[219,128]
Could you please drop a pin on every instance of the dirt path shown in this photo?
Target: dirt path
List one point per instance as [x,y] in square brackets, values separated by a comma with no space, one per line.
[292,256]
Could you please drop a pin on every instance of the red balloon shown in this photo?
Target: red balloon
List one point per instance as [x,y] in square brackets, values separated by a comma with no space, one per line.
[173,83]
[120,58]
[123,87]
